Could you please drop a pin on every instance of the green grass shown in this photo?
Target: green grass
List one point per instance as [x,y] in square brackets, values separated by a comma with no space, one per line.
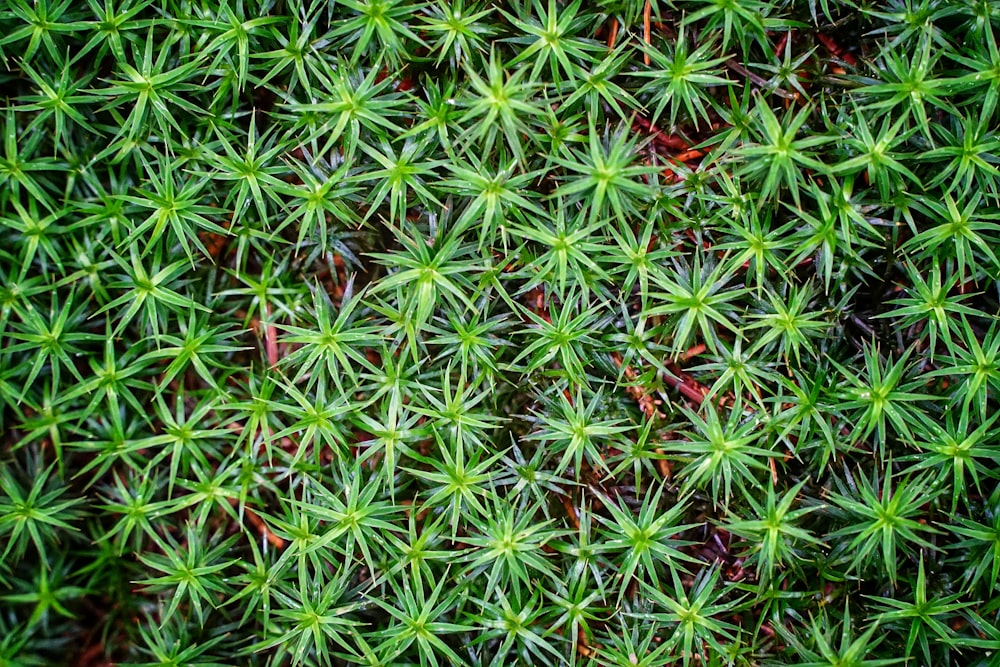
[377,332]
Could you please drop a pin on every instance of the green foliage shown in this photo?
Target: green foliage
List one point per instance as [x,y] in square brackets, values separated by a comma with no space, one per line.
[548,332]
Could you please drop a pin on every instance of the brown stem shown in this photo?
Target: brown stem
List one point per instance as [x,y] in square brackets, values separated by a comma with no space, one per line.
[758,80]
[613,37]
[646,13]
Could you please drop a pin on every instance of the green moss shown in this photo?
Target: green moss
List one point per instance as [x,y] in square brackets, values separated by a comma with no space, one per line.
[437,333]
